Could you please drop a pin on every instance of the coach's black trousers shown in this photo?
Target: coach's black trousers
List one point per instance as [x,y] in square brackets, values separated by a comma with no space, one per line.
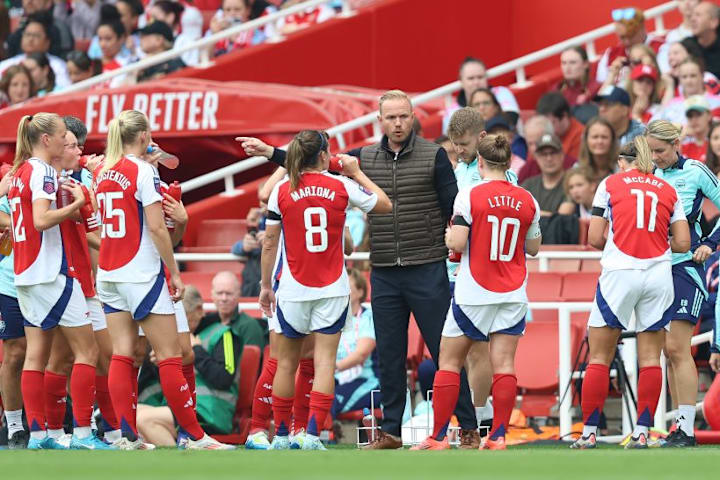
[423,290]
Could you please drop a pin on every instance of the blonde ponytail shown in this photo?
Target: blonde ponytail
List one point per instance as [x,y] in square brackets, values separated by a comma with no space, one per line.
[643,160]
[114,147]
[123,131]
[30,129]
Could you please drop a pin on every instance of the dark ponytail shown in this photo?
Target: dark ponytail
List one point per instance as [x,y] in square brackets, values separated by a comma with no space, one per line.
[304,152]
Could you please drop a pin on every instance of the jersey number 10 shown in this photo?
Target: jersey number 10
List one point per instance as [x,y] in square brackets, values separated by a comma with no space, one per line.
[498,237]
[640,202]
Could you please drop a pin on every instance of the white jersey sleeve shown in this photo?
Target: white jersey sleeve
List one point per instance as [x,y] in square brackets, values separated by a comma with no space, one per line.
[148,185]
[274,214]
[534,229]
[678,212]
[358,196]
[602,198]
[43,182]
[462,205]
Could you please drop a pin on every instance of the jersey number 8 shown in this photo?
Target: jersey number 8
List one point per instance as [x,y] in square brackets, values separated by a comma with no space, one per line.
[312,228]
[105,201]
[499,235]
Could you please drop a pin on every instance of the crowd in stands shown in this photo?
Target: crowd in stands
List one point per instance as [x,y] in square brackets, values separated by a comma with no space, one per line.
[61,43]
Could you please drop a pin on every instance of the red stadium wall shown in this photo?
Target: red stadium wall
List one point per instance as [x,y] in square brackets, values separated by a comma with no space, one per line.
[414,44]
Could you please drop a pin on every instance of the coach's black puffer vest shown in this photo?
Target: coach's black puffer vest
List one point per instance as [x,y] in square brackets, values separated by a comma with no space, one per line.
[413,234]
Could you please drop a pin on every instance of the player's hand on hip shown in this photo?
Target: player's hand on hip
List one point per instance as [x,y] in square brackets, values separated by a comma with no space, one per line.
[255,147]
[701,254]
[267,302]
[715,362]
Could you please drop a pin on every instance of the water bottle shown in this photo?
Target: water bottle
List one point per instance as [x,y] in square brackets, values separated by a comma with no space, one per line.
[167,159]
[90,218]
[64,197]
[368,421]
[175,191]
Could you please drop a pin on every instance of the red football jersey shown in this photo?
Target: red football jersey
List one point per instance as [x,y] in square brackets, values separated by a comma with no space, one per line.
[690,149]
[501,216]
[640,208]
[313,219]
[127,253]
[77,253]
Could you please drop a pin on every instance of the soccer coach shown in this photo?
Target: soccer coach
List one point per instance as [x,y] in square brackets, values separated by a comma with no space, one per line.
[407,253]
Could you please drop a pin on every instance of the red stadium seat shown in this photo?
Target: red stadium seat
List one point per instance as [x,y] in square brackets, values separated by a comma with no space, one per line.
[589,265]
[544,286]
[200,280]
[221,232]
[214,267]
[579,286]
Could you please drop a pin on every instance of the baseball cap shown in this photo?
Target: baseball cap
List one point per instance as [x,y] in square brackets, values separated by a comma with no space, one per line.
[614,95]
[640,71]
[498,121]
[549,140]
[158,28]
[698,103]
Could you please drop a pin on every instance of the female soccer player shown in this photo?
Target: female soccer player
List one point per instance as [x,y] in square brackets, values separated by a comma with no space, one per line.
[135,244]
[693,182]
[313,294]
[490,302]
[636,277]
[47,293]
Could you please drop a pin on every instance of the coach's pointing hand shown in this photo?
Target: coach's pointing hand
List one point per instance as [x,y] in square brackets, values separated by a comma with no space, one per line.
[701,254]
[254,147]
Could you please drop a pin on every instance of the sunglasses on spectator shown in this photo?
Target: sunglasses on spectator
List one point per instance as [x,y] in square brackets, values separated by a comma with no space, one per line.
[623,14]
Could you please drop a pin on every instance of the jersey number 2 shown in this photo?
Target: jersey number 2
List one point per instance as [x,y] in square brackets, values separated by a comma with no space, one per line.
[640,201]
[105,201]
[18,229]
[499,235]
[312,227]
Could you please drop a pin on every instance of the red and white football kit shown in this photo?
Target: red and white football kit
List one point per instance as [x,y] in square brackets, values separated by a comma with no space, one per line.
[47,292]
[636,261]
[314,292]
[130,273]
[490,294]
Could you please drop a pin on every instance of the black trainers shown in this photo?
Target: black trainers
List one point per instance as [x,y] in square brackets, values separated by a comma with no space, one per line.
[679,439]
[19,440]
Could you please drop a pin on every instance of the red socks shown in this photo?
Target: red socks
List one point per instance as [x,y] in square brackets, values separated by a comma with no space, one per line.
[303,386]
[55,399]
[262,398]
[281,408]
[82,392]
[320,404]
[189,374]
[120,385]
[33,392]
[178,396]
[446,389]
[594,392]
[649,387]
[102,395]
[135,373]
[504,390]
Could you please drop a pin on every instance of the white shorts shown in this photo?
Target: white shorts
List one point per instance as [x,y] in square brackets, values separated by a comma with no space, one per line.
[646,292]
[97,315]
[273,324]
[325,315]
[477,322]
[180,320]
[140,299]
[60,302]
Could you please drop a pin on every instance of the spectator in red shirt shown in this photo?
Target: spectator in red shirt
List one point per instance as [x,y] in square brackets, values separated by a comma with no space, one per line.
[697,111]
[712,156]
[576,86]
[644,90]
[630,29]
[535,128]
[554,106]
[599,150]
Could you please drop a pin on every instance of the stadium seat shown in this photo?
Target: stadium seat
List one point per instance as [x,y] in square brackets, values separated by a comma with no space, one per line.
[200,280]
[544,286]
[221,232]
[214,267]
[590,265]
[579,286]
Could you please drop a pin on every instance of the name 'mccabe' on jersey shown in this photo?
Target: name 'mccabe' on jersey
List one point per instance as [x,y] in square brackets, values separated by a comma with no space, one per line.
[313,221]
[640,208]
[127,253]
[501,216]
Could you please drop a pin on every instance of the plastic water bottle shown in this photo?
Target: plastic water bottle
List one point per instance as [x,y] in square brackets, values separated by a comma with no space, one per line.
[87,212]
[175,191]
[368,421]
[64,197]
[167,159]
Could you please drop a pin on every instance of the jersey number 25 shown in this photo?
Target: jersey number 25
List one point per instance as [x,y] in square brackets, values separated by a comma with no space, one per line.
[105,201]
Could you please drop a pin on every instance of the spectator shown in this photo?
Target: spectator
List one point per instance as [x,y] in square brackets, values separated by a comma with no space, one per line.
[43,76]
[217,351]
[639,54]
[580,188]
[185,22]
[82,16]
[682,31]
[226,295]
[61,39]
[644,90]
[614,103]
[554,106]
[695,143]
[81,67]
[630,29]
[547,188]
[36,38]
[250,247]
[485,102]
[16,86]
[112,36]
[306,18]
[234,12]
[473,75]
[357,364]
[445,142]
[108,13]
[417,127]
[599,150]
[156,38]
[576,86]
[499,125]
[691,83]
[535,127]
[712,157]
[704,23]
[678,52]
